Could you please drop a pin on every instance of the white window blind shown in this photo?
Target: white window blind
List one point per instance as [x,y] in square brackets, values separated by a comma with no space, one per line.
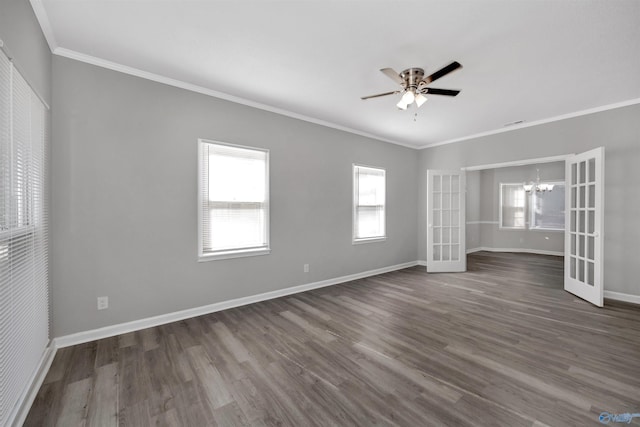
[234,200]
[24,306]
[547,209]
[369,186]
[512,206]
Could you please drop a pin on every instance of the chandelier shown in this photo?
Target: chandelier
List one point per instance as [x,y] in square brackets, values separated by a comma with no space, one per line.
[537,186]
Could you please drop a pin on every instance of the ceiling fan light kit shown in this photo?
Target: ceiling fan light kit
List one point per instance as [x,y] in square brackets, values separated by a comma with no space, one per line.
[414,85]
[408,97]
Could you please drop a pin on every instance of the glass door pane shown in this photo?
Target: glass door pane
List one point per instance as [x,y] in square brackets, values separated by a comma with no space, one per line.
[445,250]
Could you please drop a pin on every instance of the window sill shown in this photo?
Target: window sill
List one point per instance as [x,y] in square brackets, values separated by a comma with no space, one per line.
[369,240]
[557,230]
[233,254]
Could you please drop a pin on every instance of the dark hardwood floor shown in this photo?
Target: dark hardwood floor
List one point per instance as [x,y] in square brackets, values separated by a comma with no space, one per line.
[499,345]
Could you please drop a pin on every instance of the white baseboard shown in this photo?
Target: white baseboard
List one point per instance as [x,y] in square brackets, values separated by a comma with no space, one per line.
[520,250]
[619,296]
[122,328]
[25,402]
[21,410]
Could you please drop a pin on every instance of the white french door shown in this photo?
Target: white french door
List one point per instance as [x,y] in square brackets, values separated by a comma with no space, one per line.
[584,225]
[446,251]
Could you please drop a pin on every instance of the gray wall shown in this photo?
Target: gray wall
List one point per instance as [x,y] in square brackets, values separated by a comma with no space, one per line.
[21,33]
[124,199]
[124,189]
[617,130]
[483,193]
[472,209]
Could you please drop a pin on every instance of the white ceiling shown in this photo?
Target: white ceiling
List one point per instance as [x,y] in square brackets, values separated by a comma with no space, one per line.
[523,60]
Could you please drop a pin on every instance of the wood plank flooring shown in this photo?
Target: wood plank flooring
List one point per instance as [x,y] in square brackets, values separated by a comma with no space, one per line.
[499,345]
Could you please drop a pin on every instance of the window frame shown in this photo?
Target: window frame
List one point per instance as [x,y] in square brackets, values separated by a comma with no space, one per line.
[354,206]
[500,208]
[204,256]
[532,210]
[528,209]
[25,123]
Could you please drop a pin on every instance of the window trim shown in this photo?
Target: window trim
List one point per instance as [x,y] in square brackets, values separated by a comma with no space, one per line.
[500,226]
[528,211]
[355,240]
[236,252]
[24,234]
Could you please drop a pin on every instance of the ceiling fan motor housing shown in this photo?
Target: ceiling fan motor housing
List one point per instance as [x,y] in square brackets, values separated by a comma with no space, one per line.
[413,81]
[412,77]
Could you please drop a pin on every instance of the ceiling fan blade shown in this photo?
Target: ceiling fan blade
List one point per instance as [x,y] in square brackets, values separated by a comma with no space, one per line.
[434,91]
[380,94]
[389,72]
[442,72]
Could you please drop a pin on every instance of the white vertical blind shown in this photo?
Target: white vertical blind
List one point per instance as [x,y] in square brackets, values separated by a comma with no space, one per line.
[24,306]
[369,202]
[233,198]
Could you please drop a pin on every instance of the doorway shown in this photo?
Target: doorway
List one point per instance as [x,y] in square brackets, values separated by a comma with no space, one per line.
[531,207]
[517,209]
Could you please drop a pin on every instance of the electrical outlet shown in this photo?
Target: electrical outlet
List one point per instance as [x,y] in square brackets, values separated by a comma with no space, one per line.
[306,268]
[103,303]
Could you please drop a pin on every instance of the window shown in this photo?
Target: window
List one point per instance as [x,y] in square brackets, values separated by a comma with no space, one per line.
[24,277]
[512,206]
[520,210]
[233,201]
[368,204]
[547,209]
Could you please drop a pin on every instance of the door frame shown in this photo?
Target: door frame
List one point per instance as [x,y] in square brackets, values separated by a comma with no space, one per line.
[539,160]
[523,162]
[460,264]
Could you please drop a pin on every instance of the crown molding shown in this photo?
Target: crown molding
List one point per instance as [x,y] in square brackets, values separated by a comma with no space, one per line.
[114,66]
[45,24]
[43,19]
[537,122]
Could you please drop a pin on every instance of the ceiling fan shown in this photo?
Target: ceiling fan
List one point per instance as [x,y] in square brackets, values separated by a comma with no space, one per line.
[414,85]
